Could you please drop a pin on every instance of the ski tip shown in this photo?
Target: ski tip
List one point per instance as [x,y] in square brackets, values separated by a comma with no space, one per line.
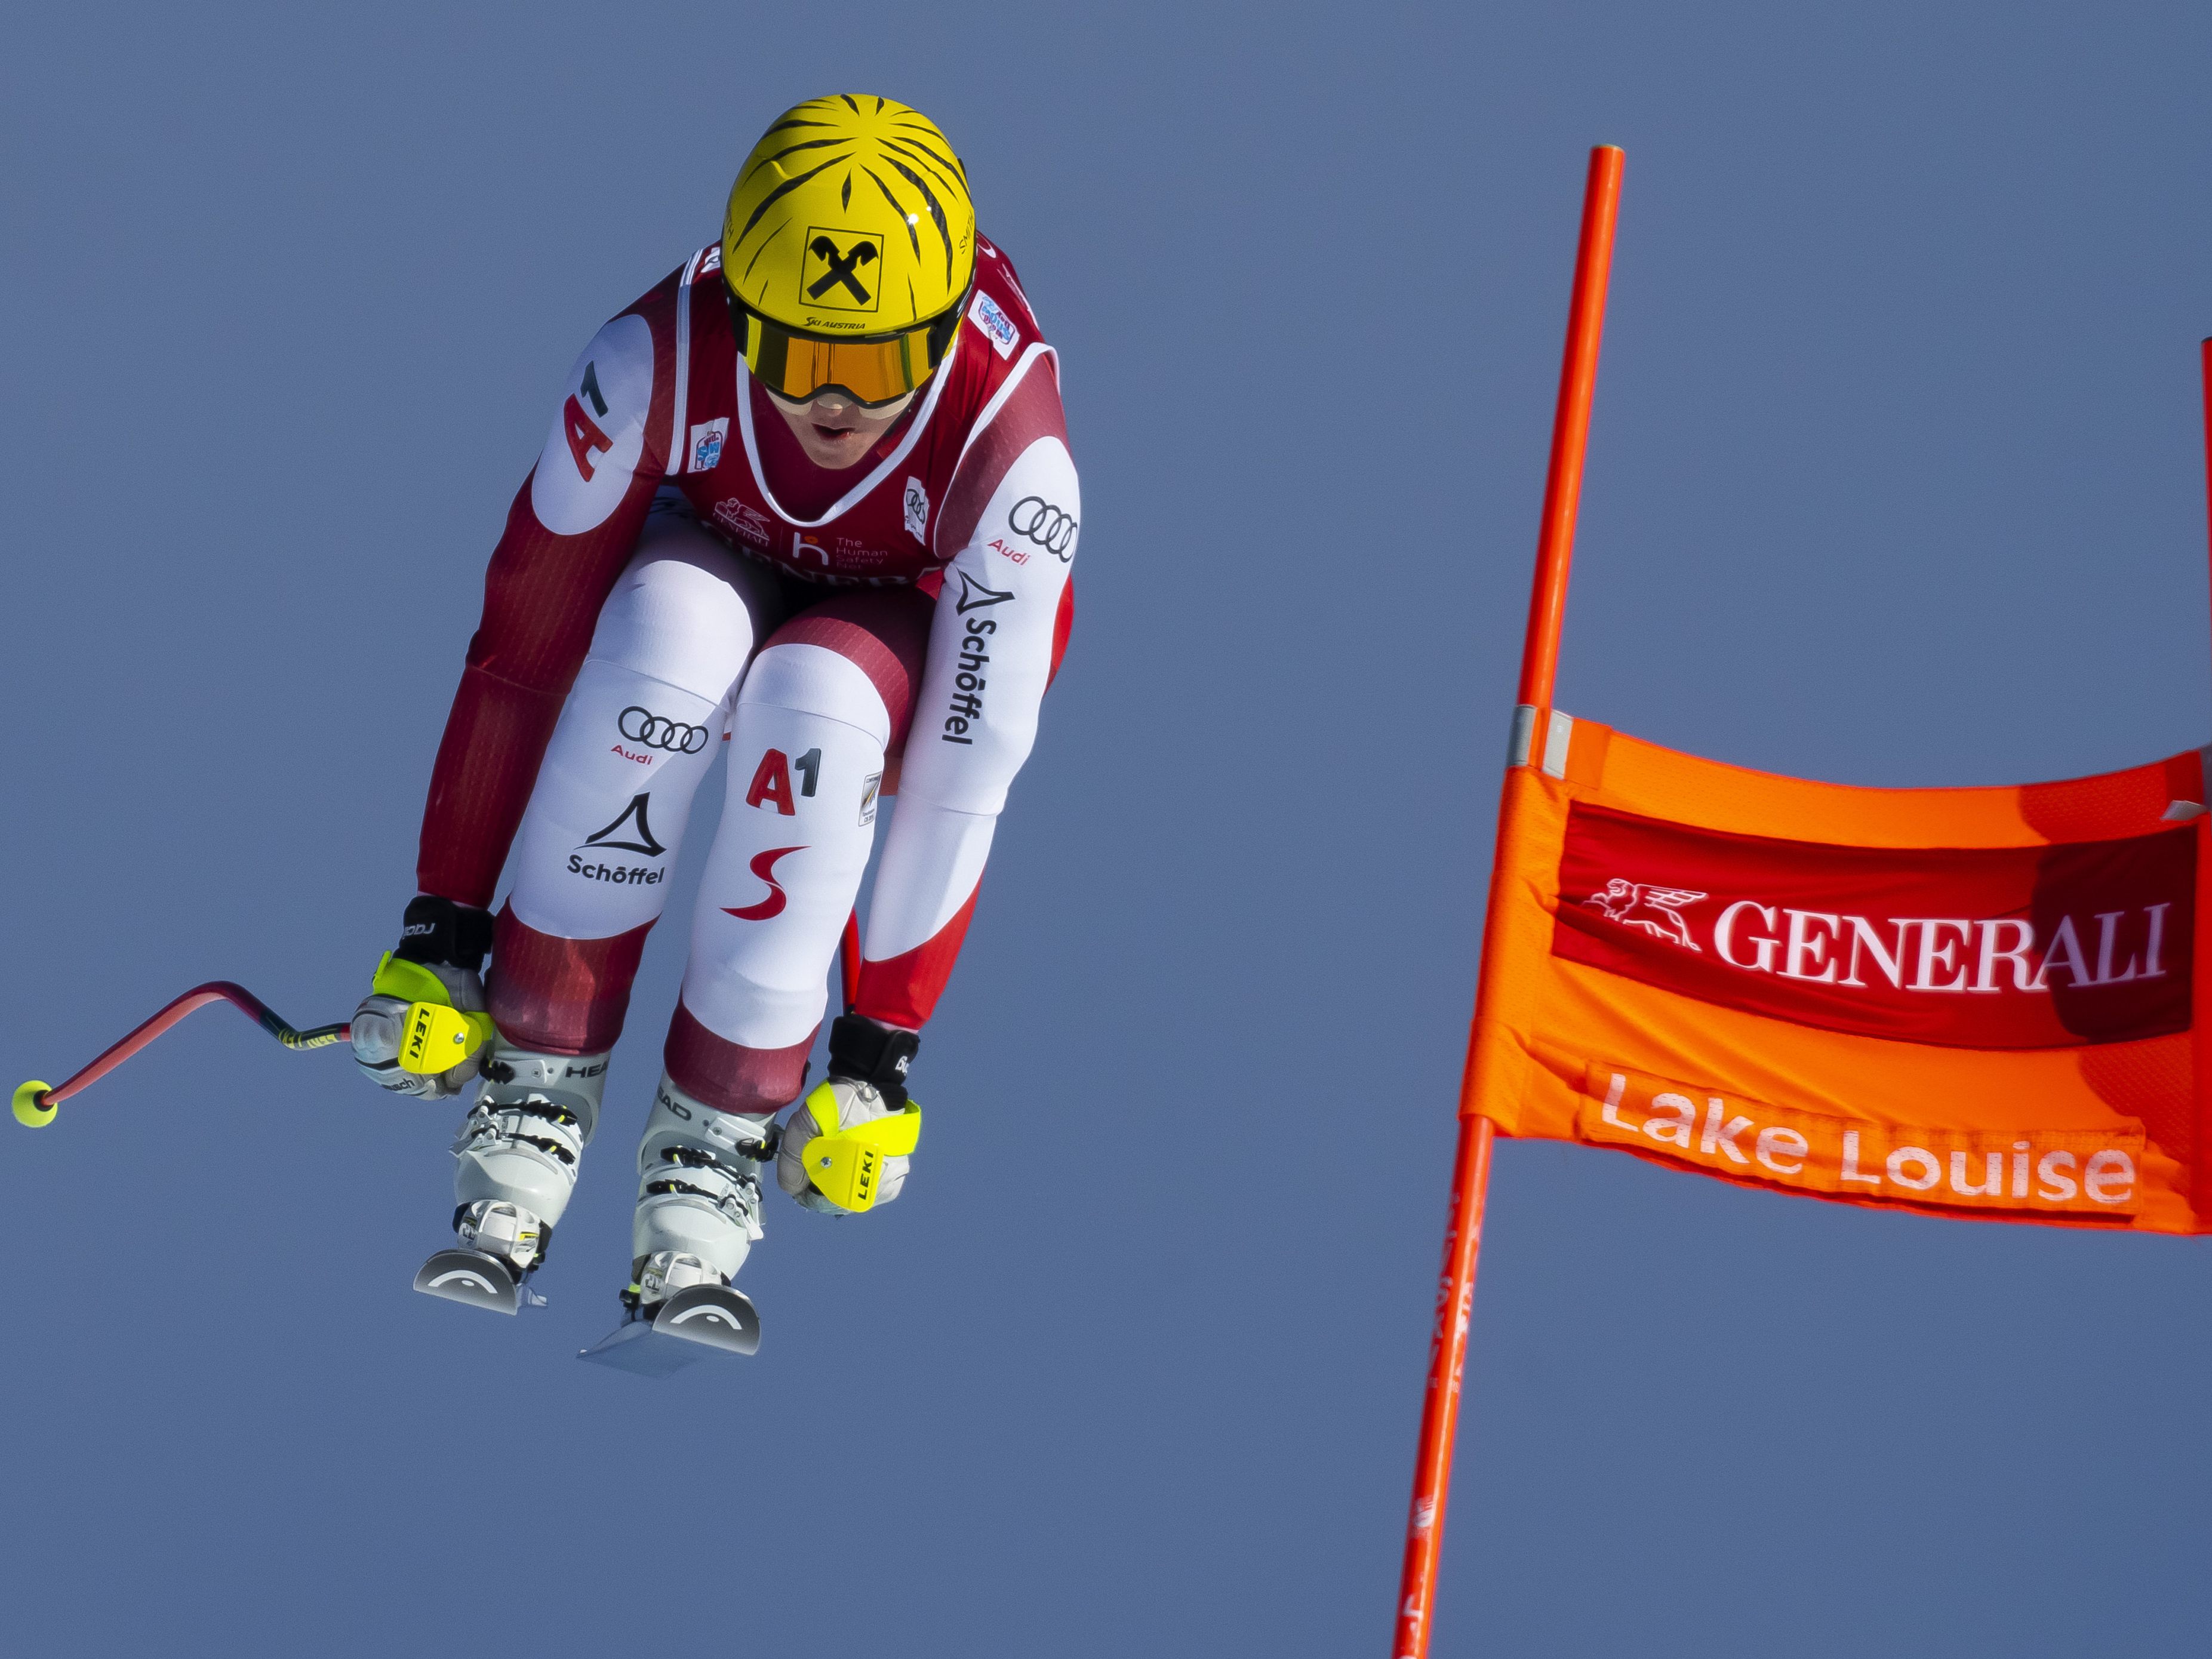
[633,1346]
[470,1277]
[32,1110]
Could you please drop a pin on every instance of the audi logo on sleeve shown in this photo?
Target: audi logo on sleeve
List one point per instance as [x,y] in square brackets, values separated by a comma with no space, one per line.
[1037,520]
[657,731]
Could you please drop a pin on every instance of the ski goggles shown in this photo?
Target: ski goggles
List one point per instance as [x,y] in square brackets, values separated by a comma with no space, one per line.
[873,370]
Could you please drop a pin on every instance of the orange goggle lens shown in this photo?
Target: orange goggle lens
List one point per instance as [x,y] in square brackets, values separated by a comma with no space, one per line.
[878,371]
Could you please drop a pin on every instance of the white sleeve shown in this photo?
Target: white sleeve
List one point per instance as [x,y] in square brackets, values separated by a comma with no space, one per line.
[599,432]
[990,655]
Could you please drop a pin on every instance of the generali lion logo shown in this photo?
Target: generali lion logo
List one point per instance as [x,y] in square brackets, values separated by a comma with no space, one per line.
[1656,910]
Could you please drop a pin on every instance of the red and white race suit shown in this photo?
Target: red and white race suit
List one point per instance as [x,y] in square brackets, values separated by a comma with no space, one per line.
[676,577]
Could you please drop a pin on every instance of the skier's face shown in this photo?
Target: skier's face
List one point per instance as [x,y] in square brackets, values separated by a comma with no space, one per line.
[834,429]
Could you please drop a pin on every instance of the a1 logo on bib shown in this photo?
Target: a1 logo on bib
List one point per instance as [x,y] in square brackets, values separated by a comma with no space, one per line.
[841,271]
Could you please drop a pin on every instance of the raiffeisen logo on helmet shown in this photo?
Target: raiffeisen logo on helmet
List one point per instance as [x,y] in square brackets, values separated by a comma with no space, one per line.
[840,269]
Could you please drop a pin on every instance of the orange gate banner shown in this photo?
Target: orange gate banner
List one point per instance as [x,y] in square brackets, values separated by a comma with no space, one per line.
[1977,1003]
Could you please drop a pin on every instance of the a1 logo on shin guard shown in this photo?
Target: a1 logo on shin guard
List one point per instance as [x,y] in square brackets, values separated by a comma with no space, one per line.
[772,780]
[772,783]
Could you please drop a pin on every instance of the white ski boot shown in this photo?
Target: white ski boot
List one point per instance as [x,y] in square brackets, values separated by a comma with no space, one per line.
[698,1213]
[516,1157]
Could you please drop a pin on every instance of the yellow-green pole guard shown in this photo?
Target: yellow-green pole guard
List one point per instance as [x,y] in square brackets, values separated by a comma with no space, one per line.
[846,1165]
[29,1112]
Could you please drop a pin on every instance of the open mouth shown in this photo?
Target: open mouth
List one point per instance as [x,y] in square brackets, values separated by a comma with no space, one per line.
[832,434]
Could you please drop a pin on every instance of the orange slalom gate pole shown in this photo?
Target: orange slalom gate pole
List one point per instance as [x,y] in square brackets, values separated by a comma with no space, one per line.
[1540,659]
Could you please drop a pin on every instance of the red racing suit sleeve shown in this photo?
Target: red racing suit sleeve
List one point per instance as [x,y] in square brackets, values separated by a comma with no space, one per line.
[1011,512]
[568,534]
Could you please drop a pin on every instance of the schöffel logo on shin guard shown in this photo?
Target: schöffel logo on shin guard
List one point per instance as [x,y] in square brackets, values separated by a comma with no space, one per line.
[629,833]
[642,839]
[2012,947]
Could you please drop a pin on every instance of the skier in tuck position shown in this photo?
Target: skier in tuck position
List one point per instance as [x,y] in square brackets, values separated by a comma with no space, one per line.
[808,500]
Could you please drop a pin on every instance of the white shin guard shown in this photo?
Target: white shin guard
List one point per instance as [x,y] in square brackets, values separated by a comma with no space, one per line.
[517,1151]
[698,1194]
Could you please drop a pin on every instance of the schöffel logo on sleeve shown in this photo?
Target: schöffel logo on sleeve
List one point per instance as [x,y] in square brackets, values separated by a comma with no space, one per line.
[2013,947]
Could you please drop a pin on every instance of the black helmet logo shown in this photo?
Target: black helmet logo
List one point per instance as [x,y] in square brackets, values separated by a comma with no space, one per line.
[837,272]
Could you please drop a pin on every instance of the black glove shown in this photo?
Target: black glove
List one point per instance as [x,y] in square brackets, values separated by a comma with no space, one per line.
[438,932]
[861,1051]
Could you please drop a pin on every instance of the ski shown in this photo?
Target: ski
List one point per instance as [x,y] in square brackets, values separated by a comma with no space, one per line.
[688,1328]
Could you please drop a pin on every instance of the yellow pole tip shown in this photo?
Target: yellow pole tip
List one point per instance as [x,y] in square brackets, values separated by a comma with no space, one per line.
[28,1111]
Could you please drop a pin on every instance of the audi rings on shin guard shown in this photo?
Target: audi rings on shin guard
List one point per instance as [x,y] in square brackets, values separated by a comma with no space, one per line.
[642,725]
[517,1152]
[698,1196]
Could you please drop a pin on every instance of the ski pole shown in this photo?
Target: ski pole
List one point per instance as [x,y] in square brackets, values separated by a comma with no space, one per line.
[36,1102]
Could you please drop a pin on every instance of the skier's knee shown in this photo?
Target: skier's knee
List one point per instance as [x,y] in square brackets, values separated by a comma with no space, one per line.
[861,661]
[687,615]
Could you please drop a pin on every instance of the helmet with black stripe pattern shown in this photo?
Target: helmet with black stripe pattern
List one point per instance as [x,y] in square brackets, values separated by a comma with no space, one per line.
[849,224]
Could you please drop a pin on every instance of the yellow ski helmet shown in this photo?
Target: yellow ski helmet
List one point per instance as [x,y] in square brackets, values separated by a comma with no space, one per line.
[848,249]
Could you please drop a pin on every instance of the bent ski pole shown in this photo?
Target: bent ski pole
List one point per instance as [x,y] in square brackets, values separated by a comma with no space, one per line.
[36,1102]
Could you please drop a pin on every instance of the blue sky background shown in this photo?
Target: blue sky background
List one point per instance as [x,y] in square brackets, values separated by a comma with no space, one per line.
[1896,478]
